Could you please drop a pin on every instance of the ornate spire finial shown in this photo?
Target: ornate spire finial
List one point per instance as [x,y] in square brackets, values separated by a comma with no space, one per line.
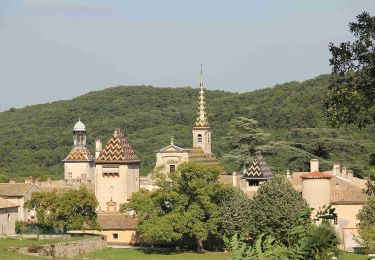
[172,140]
[202,120]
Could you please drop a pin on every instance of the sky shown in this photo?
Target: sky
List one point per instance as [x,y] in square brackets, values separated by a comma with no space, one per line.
[59,49]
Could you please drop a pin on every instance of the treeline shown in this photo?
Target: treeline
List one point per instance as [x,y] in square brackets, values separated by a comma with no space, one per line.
[34,140]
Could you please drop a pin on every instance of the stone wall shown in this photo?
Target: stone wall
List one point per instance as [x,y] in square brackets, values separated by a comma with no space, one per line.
[67,249]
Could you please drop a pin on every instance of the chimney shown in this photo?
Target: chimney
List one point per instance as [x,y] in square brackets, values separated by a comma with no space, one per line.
[234,181]
[336,169]
[288,174]
[314,165]
[98,148]
[29,179]
[12,181]
[37,182]
[49,180]
[350,174]
[343,171]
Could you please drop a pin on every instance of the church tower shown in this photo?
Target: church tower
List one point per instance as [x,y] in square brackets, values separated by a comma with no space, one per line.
[79,164]
[201,130]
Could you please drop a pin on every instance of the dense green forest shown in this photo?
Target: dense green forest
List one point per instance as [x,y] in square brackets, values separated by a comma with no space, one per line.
[34,140]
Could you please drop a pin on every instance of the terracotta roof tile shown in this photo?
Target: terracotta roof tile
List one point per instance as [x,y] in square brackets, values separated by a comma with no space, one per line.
[6,204]
[316,175]
[116,221]
[79,154]
[117,150]
[14,189]
[343,191]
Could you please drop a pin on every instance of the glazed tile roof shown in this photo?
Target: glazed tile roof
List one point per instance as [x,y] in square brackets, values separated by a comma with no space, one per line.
[258,169]
[4,204]
[202,119]
[14,189]
[79,154]
[343,191]
[116,221]
[197,155]
[117,150]
[316,175]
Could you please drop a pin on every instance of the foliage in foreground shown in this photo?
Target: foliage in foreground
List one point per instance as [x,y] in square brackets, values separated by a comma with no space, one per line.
[366,225]
[74,209]
[351,94]
[184,210]
[312,242]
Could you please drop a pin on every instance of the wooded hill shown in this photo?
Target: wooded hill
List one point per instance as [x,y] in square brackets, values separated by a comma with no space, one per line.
[34,140]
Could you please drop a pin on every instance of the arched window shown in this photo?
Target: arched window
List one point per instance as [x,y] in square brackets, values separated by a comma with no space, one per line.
[199,138]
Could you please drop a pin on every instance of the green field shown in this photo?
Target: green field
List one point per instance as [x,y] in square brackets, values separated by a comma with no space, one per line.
[7,253]
[135,254]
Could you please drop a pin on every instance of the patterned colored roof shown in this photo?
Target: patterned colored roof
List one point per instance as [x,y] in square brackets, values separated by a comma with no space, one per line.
[258,169]
[316,175]
[117,150]
[197,155]
[14,189]
[4,204]
[202,119]
[79,154]
[116,221]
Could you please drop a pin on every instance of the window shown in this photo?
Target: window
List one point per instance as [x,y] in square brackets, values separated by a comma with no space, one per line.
[8,218]
[111,174]
[172,168]
[115,236]
[335,221]
[253,182]
[208,138]
[199,138]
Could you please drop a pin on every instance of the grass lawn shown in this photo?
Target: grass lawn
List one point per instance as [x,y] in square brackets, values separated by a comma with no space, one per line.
[152,254]
[349,256]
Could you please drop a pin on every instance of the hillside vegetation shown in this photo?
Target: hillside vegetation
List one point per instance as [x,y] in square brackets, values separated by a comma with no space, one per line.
[34,140]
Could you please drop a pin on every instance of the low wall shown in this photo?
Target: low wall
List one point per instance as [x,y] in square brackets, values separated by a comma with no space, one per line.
[67,249]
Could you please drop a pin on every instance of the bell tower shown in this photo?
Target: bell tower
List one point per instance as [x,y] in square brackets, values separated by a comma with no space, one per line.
[202,131]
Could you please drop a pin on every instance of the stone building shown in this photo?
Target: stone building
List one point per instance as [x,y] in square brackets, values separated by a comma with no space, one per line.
[79,164]
[337,188]
[172,155]
[8,217]
[18,194]
[116,172]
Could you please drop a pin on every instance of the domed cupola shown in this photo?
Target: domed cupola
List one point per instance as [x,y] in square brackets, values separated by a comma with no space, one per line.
[79,131]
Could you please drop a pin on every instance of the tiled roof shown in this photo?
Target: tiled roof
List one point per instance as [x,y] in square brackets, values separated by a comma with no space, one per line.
[343,191]
[14,189]
[116,221]
[117,150]
[6,204]
[202,119]
[79,154]
[258,169]
[197,155]
[316,175]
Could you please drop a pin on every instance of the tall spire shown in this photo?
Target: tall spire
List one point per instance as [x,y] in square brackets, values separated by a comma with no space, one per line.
[201,120]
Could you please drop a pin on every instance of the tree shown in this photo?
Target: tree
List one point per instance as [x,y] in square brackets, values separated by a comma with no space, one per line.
[74,209]
[366,225]
[351,94]
[185,207]
[235,212]
[243,136]
[276,208]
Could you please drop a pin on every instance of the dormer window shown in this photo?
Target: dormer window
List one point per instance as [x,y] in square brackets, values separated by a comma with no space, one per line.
[199,138]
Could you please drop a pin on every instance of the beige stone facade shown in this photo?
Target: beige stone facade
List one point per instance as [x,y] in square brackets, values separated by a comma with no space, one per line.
[8,217]
[117,173]
[18,194]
